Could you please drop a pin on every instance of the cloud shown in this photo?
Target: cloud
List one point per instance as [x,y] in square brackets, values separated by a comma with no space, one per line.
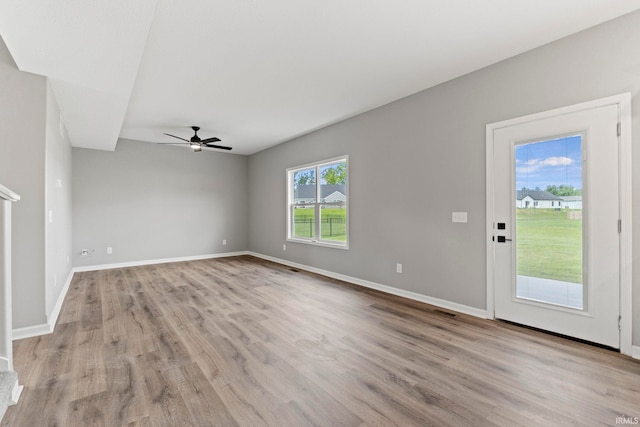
[534,165]
[557,161]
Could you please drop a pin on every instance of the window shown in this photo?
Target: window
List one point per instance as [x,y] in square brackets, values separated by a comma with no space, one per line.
[317,207]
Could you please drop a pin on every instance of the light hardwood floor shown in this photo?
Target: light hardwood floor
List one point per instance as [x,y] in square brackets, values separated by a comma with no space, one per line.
[242,341]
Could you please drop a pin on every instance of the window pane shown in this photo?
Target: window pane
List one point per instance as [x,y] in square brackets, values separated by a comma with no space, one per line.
[333,222]
[304,221]
[304,186]
[333,182]
[333,196]
[549,221]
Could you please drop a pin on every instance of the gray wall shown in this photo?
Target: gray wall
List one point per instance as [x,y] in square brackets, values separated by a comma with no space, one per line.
[58,202]
[22,166]
[415,161]
[152,202]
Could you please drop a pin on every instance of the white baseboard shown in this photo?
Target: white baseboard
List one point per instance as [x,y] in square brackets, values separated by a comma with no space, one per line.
[476,312]
[157,261]
[47,328]
[15,393]
[52,318]
[32,331]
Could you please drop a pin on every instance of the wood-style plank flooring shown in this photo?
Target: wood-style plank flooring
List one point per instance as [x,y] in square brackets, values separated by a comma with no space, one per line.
[242,341]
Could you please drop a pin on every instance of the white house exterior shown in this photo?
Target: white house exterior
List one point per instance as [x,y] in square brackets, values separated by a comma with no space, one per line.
[571,202]
[335,197]
[331,193]
[537,199]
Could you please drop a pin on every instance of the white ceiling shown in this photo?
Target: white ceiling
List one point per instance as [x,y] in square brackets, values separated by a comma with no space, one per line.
[258,73]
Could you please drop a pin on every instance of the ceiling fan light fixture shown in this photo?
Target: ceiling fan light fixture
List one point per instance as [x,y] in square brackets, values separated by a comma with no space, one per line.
[196,142]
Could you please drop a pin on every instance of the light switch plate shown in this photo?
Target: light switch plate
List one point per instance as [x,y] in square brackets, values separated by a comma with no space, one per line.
[458,217]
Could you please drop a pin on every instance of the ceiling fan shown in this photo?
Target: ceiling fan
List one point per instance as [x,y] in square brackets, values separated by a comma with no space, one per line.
[196,143]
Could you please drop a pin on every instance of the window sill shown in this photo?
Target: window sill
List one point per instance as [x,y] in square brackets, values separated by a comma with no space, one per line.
[317,243]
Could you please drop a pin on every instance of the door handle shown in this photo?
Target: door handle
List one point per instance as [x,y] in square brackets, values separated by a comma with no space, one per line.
[503,239]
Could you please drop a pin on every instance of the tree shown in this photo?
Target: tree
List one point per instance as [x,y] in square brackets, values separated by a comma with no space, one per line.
[304,178]
[336,174]
[564,190]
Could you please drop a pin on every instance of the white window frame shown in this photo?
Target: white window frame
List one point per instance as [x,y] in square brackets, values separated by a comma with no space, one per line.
[317,241]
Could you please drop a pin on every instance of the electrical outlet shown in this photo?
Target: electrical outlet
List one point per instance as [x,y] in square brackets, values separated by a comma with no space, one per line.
[398,268]
[109,250]
[284,247]
[224,242]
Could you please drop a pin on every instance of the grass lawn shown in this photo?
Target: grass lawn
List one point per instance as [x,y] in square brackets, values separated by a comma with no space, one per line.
[549,245]
[333,225]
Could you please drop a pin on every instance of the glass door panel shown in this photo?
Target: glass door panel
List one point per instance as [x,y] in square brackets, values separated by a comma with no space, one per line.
[549,231]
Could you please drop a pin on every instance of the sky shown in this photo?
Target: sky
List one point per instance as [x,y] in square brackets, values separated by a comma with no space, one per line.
[552,162]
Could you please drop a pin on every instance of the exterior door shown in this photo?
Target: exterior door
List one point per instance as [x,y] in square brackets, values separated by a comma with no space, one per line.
[556,211]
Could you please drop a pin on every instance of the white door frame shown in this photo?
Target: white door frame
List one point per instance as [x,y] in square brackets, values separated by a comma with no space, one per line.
[6,330]
[626,258]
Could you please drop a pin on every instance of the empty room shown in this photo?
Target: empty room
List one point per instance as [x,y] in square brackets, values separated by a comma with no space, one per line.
[337,213]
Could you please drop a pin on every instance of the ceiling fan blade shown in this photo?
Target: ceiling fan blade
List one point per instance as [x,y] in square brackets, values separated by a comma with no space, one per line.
[168,134]
[220,147]
[170,143]
[214,139]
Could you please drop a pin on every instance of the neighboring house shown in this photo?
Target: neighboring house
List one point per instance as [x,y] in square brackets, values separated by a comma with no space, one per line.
[330,193]
[336,197]
[537,199]
[571,202]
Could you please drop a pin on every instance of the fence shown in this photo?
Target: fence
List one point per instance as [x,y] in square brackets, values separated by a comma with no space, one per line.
[329,226]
